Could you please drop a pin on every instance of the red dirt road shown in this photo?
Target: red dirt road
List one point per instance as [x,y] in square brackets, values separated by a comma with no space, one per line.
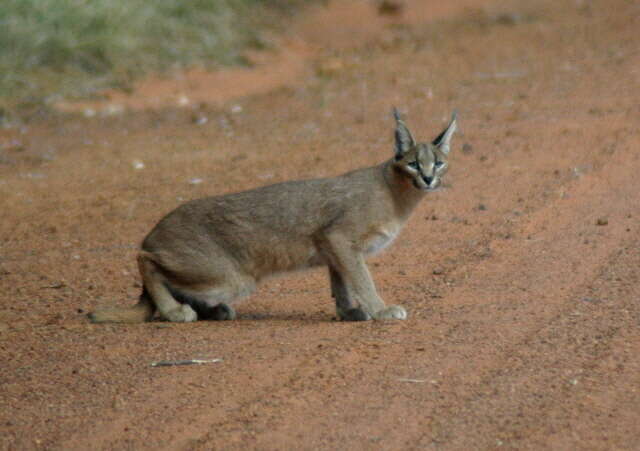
[521,277]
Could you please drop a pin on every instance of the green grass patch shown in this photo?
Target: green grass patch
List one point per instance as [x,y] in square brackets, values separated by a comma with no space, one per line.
[54,48]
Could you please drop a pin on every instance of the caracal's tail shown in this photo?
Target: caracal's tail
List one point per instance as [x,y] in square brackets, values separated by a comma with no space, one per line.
[139,313]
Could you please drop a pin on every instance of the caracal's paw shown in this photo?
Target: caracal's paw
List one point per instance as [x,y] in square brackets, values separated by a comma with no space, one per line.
[391,312]
[223,312]
[182,314]
[353,314]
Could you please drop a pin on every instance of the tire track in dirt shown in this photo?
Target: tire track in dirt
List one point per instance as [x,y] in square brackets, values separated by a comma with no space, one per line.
[595,330]
[221,404]
[569,277]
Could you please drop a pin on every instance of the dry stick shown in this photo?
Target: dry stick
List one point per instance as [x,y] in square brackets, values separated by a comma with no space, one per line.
[184,362]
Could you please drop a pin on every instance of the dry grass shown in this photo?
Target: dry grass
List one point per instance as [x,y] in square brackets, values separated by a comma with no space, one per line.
[53,48]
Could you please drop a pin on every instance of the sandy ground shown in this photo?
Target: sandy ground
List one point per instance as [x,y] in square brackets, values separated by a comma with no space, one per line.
[521,277]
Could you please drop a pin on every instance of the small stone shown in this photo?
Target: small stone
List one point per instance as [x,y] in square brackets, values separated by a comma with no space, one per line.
[508,19]
[390,7]
[602,221]
[467,148]
[113,109]
[199,119]
[484,253]
[591,300]
[330,67]
[437,271]
[119,403]
[482,207]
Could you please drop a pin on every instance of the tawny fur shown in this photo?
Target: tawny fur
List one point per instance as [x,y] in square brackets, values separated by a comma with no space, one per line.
[209,252]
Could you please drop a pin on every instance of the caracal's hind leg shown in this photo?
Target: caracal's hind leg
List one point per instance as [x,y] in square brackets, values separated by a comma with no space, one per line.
[213,302]
[155,284]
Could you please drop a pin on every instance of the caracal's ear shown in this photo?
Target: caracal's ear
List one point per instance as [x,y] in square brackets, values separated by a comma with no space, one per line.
[444,138]
[404,140]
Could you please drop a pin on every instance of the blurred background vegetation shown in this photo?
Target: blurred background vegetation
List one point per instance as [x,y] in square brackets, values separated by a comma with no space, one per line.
[55,48]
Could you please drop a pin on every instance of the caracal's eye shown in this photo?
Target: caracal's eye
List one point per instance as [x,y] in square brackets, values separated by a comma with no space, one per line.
[439,164]
[413,164]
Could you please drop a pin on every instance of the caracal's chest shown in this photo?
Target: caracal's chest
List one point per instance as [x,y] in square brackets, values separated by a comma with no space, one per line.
[380,236]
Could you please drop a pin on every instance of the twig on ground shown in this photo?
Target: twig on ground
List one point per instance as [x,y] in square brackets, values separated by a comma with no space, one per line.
[184,362]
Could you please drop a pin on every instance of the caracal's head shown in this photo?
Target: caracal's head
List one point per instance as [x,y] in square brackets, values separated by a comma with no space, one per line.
[424,163]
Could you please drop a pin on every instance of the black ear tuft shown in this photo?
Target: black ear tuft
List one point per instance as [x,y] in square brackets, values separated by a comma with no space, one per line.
[396,114]
[403,139]
[443,139]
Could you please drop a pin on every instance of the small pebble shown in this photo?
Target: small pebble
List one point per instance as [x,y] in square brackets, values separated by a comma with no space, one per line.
[390,7]
[602,221]
[200,120]
[113,110]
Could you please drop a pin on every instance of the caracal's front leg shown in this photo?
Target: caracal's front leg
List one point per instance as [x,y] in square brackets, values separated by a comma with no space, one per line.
[354,278]
[345,308]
